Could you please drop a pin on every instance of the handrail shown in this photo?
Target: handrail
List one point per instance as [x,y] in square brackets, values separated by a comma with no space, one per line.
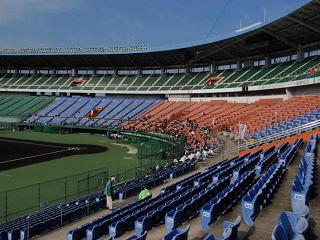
[277,136]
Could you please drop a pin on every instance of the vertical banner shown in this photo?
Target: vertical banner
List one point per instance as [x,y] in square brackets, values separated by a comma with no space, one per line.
[242,130]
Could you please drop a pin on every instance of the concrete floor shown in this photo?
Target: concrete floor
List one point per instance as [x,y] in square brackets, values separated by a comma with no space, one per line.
[264,223]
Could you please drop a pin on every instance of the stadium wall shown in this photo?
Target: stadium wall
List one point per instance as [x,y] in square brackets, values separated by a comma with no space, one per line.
[236,99]
[303,91]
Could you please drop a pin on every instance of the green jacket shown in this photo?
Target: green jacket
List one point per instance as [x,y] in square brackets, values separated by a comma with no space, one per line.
[144,193]
[108,190]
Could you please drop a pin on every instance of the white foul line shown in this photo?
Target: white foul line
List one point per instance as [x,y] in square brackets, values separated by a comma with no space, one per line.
[39,155]
[30,143]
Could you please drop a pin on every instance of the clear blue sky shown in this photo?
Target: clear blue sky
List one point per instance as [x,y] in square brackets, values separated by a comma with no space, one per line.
[95,23]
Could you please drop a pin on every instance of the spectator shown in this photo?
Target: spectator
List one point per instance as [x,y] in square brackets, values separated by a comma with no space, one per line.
[157,167]
[108,191]
[144,193]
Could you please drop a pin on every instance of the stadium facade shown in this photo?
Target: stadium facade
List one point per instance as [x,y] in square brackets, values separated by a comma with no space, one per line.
[280,58]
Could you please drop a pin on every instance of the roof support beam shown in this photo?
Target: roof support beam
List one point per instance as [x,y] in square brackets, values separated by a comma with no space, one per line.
[281,39]
[307,25]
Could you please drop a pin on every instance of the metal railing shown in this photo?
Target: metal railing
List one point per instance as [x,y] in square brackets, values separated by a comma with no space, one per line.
[277,136]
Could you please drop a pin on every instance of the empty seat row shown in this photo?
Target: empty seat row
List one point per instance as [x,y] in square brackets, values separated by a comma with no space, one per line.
[51,218]
[223,201]
[314,115]
[75,110]
[260,194]
[303,182]
[266,160]
[291,226]
[191,207]
[98,227]
[229,232]
[156,178]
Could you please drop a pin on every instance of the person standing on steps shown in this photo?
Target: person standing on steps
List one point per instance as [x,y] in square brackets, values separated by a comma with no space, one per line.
[108,191]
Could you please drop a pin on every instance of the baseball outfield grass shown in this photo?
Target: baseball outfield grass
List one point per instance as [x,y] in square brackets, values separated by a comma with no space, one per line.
[119,157]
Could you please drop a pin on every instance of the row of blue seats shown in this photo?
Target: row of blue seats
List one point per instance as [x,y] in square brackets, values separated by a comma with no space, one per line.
[133,187]
[260,194]
[286,158]
[221,203]
[213,170]
[160,207]
[190,208]
[222,174]
[116,224]
[59,215]
[266,161]
[74,110]
[51,218]
[281,127]
[100,227]
[229,232]
[291,226]
[303,182]
[294,225]
[248,166]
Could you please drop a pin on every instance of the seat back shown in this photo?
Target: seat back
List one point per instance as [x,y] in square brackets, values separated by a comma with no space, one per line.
[183,235]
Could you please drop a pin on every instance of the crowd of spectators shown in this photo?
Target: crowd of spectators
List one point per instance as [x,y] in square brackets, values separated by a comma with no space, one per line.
[196,137]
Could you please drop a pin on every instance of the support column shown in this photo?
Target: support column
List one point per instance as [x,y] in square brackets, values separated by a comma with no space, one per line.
[239,64]
[300,53]
[213,67]
[267,60]
[187,70]
[73,72]
[162,71]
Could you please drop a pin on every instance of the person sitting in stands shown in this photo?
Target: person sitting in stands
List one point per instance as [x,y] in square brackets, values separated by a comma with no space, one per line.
[144,193]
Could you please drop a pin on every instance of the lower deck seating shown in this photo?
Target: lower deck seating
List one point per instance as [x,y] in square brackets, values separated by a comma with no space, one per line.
[260,194]
[51,218]
[262,118]
[230,230]
[291,226]
[302,185]
[310,117]
[109,112]
[22,106]
[144,215]
[60,215]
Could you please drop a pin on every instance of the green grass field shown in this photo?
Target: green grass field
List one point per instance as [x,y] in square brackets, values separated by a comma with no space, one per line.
[117,159]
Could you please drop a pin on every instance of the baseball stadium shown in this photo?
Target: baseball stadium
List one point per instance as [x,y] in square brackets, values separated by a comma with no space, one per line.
[211,140]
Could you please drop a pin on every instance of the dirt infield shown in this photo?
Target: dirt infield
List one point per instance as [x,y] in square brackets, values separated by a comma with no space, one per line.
[17,153]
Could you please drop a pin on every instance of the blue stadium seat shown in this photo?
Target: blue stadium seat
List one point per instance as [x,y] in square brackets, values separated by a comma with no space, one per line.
[178,234]
[230,229]
[291,226]
[138,237]
[209,237]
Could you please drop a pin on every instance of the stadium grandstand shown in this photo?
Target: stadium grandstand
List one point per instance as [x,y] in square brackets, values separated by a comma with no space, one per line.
[224,134]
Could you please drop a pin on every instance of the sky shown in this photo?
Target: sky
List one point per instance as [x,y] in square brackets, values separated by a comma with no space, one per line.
[105,23]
